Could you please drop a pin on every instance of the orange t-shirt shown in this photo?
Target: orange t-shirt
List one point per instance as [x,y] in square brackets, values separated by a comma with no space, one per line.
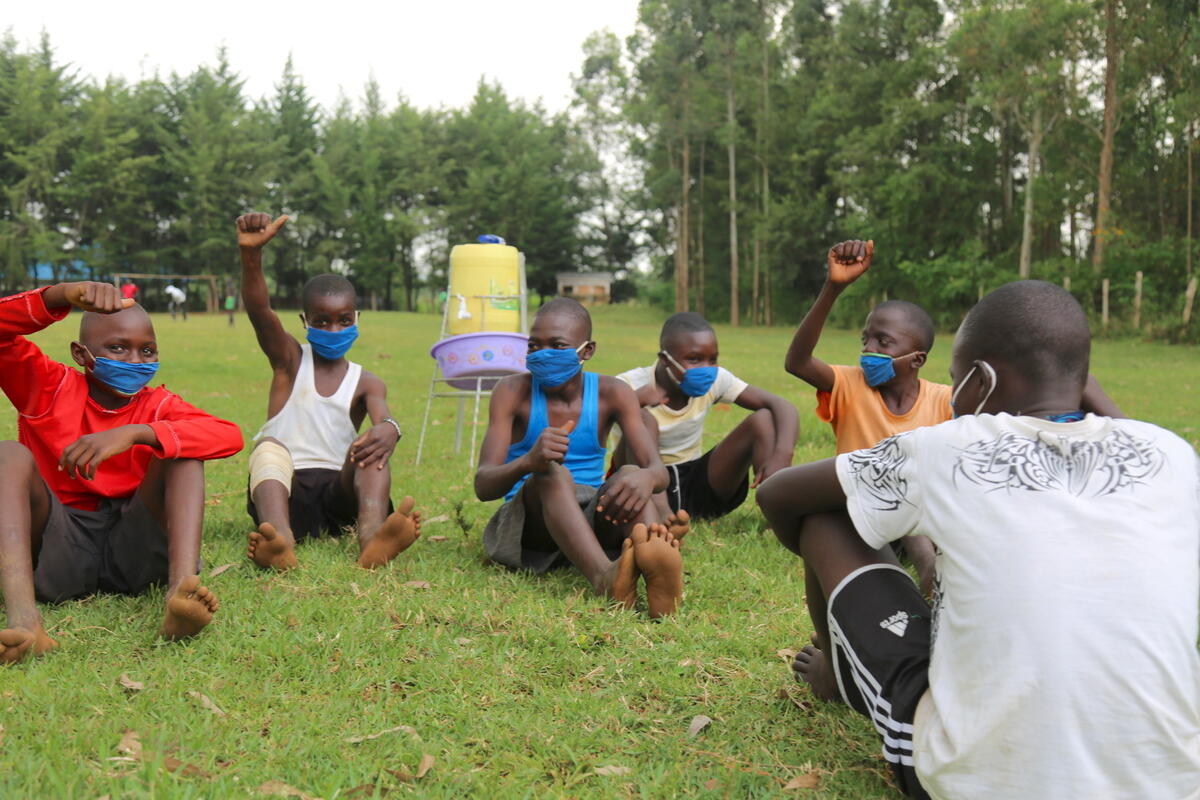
[859,417]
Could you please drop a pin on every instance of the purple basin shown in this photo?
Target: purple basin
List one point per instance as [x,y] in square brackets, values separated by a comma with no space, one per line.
[492,354]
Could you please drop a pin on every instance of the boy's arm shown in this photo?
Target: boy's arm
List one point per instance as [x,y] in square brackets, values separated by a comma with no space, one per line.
[179,430]
[1096,401]
[494,477]
[281,348]
[376,443]
[787,429]
[629,490]
[847,261]
[27,376]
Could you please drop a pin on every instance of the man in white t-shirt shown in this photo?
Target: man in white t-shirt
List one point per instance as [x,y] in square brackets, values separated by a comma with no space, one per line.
[1068,578]
[676,393]
[176,300]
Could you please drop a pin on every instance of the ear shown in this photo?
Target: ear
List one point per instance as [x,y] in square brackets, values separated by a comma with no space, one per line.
[919,359]
[588,352]
[81,355]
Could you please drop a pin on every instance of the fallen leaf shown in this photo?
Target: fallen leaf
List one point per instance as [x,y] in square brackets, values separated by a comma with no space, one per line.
[437,538]
[129,683]
[425,765]
[417,584]
[610,770]
[438,518]
[462,641]
[699,723]
[281,789]
[292,621]
[218,570]
[173,764]
[809,780]
[206,703]
[131,745]
[711,784]
[398,729]
[787,654]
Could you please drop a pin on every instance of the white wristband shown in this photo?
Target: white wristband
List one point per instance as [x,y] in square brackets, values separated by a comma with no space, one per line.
[394,424]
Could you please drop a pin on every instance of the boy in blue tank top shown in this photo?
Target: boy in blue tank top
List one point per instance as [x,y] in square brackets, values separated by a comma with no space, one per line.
[311,471]
[544,454]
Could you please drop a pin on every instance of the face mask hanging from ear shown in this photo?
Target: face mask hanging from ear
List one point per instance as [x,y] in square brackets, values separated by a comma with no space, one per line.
[987,370]
[696,381]
[553,367]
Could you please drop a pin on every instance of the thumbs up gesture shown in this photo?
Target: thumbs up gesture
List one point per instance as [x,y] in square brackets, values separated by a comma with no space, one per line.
[551,447]
[256,229]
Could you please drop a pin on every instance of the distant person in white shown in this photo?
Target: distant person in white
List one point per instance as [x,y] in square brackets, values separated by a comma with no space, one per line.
[176,300]
[1059,660]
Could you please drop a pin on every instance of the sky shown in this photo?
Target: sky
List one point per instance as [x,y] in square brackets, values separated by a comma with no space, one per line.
[433,51]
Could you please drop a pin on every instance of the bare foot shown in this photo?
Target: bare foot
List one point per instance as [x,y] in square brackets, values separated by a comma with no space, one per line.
[19,643]
[812,667]
[189,608]
[395,535]
[625,579]
[679,524]
[657,555]
[270,550]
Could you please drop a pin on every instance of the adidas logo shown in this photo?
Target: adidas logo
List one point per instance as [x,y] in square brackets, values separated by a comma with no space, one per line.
[897,623]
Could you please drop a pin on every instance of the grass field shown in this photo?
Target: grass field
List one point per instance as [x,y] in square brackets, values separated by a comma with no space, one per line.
[515,686]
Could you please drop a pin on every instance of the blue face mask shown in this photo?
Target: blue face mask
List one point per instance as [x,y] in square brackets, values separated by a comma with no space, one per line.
[696,381]
[332,345]
[122,376]
[877,368]
[553,367]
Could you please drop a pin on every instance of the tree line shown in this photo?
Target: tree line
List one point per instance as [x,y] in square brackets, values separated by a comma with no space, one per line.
[714,156]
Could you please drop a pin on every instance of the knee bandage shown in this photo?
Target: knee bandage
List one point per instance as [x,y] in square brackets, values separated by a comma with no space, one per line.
[270,461]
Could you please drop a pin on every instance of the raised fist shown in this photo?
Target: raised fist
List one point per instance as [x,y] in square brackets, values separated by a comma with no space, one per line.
[849,260]
[256,229]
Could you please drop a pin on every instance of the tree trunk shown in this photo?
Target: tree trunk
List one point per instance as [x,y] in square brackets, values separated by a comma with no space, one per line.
[1112,57]
[1190,184]
[755,252]
[1006,182]
[681,247]
[700,266]
[734,316]
[1035,153]
[765,184]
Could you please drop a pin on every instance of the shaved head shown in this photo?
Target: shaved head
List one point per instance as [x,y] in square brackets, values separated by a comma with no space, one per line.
[326,285]
[919,323]
[132,322]
[565,306]
[1036,328]
[683,323]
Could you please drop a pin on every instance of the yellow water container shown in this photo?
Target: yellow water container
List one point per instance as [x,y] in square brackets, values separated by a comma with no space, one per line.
[485,288]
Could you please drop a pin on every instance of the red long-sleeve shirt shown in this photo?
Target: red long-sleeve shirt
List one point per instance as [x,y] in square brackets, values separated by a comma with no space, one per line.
[54,410]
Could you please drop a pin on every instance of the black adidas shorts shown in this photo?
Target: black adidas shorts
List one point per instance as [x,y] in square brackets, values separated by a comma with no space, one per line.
[880,631]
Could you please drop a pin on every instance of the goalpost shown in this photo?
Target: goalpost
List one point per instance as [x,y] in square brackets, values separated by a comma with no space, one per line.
[212,302]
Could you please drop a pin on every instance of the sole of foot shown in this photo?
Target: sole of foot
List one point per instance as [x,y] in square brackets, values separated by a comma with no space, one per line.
[17,644]
[270,550]
[679,524]
[656,553]
[812,667]
[395,535]
[625,579]
[189,609]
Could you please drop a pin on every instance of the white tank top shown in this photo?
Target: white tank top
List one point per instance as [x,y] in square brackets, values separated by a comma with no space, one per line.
[317,430]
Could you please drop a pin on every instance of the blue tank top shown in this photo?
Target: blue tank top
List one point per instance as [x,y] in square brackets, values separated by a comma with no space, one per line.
[585,456]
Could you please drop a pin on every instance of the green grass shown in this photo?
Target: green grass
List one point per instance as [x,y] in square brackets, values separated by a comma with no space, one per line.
[517,686]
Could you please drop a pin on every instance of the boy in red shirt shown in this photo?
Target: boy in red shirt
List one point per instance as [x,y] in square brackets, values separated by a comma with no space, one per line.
[105,488]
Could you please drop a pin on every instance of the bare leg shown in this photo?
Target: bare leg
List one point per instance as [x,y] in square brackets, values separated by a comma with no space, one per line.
[273,545]
[26,503]
[923,556]
[553,520]
[381,537]
[621,457]
[657,554]
[173,493]
[750,443]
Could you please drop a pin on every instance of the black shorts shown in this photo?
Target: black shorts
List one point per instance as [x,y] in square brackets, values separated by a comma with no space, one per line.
[119,547]
[690,490]
[317,504]
[880,634]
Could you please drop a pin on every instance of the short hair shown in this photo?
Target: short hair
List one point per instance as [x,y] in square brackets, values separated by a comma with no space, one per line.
[326,285]
[917,317]
[569,307]
[1035,327]
[682,323]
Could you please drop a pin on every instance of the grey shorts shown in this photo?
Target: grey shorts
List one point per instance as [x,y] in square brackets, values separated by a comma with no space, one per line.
[503,539]
[119,547]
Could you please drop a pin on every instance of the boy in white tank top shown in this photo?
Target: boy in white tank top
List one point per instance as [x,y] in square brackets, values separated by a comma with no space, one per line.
[310,469]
